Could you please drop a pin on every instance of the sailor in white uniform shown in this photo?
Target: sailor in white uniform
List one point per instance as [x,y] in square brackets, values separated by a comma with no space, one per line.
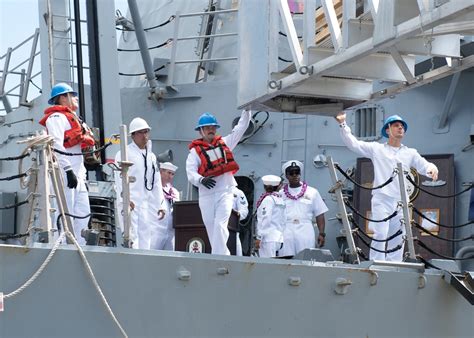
[304,205]
[241,207]
[385,157]
[146,191]
[162,236]
[210,166]
[270,218]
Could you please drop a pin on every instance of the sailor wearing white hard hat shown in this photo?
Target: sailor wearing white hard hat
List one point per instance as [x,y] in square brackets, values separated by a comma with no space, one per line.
[385,157]
[163,236]
[146,192]
[269,238]
[304,206]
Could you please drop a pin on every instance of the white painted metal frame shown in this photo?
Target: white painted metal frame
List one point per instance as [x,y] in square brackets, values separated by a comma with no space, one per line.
[393,39]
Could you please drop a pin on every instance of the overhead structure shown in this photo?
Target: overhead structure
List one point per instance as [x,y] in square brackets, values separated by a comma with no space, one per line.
[346,52]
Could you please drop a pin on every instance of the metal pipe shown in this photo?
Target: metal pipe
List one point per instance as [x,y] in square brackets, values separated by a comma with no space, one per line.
[205,60]
[449,100]
[50,43]
[95,76]
[194,37]
[406,212]
[3,79]
[26,83]
[124,165]
[143,45]
[80,71]
[209,13]
[345,220]
[464,251]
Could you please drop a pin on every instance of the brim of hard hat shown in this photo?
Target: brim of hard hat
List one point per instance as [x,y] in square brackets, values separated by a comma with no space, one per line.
[206,125]
[132,131]
[51,100]
[384,133]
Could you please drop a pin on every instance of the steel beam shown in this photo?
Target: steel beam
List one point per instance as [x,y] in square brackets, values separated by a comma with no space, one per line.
[291,35]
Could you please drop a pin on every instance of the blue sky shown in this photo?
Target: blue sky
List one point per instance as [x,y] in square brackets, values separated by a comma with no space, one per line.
[18,21]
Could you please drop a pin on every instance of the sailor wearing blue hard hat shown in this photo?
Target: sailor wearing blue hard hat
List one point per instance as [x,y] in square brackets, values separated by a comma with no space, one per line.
[60,89]
[70,135]
[385,157]
[210,166]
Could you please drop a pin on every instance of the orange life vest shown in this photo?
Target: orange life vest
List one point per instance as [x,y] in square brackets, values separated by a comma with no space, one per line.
[79,132]
[216,157]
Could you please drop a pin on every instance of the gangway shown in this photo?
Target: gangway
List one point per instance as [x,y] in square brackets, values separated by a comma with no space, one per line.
[347,52]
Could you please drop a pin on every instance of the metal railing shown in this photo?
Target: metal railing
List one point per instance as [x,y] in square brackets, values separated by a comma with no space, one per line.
[23,78]
[176,39]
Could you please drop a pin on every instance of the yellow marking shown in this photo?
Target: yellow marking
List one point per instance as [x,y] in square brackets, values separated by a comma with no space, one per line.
[113,140]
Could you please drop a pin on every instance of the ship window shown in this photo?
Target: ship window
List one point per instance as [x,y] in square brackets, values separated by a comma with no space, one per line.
[368,121]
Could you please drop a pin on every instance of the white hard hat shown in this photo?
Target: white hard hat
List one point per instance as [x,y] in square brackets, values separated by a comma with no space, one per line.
[138,124]
[272,180]
[168,166]
[292,163]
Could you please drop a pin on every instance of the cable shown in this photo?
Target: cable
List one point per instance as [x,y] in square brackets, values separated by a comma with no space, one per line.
[396,234]
[281,33]
[140,74]
[396,248]
[9,178]
[260,126]
[167,42]
[438,224]
[284,60]
[346,202]
[360,185]
[454,240]
[171,18]
[423,245]
[13,236]
[435,195]
[10,206]
[83,153]
[34,84]
[14,158]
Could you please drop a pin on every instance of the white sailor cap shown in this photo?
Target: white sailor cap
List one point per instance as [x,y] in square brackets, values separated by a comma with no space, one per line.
[272,180]
[292,163]
[168,166]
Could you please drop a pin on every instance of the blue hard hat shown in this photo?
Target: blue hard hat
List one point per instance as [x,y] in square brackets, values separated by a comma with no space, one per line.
[60,89]
[207,119]
[390,120]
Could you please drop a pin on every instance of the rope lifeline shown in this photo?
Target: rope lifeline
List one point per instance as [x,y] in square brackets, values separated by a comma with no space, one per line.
[423,245]
[362,186]
[435,195]
[454,240]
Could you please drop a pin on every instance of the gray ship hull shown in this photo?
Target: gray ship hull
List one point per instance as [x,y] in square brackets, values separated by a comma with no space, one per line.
[222,296]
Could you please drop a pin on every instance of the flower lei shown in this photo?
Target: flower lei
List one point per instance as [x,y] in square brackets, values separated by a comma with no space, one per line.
[260,200]
[169,195]
[301,194]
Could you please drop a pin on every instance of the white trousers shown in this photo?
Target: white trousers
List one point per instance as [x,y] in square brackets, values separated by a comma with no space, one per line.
[162,240]
[215,211]
[238,245]
[269,249]
[77,201]
[381,208]
[141,223]
[297,237]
